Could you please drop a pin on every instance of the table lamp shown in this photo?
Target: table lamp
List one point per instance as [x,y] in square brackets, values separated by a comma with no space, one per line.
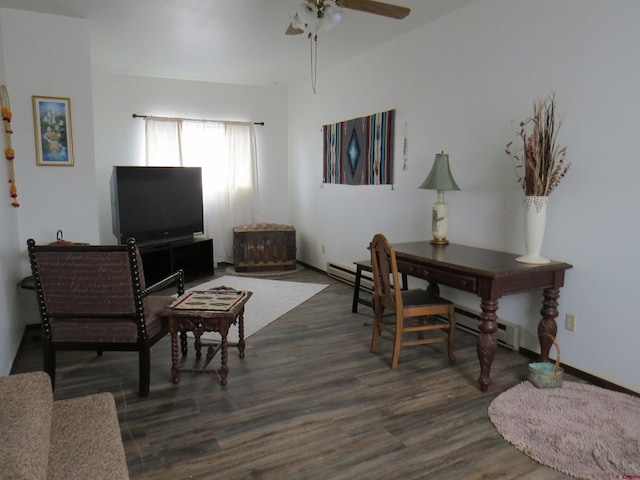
[440,179]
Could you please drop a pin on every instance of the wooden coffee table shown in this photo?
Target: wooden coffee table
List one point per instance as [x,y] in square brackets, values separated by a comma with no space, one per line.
[198,312]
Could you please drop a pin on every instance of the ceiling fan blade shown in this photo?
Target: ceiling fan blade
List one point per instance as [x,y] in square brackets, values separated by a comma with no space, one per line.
[291,30]
[377,8]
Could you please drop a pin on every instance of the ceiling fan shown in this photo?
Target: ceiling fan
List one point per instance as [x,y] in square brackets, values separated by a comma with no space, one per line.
[315,16]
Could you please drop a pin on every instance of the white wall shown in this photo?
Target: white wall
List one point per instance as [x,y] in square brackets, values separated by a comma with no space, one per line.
[9,262]
[49,56]
[120,138]
[458,84]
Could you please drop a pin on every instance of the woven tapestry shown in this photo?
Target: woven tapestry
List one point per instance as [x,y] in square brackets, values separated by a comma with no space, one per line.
[359,151]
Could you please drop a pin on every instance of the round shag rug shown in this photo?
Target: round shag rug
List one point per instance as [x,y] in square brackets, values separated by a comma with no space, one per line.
[581,430]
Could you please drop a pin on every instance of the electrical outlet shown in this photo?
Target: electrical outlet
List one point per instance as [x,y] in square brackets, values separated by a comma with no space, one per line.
[322,248]
[570,322]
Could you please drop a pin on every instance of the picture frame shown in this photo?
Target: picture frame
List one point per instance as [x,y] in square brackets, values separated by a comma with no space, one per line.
[52,126]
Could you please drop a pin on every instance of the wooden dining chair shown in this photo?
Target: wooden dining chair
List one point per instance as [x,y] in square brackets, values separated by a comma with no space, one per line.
[412,311]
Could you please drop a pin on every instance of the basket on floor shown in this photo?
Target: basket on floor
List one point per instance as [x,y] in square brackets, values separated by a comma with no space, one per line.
[545,374]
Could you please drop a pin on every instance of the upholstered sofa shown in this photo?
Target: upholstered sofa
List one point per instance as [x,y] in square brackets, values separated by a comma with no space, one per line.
[71,439]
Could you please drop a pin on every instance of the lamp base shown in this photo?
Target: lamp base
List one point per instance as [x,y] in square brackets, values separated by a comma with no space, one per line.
[439,241]
[533,259]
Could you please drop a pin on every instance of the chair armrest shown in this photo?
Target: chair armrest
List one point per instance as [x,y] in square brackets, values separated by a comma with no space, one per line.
[176,277]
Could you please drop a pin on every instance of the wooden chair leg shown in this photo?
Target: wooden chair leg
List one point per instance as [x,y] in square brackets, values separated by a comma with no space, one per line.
[144,356]
[356,290]
[376,333]
[421,322]
[452,330]
[397,342]
[49,361]
[378,311]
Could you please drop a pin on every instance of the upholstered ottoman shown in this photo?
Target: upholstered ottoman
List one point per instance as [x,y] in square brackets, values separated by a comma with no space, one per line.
[264,247]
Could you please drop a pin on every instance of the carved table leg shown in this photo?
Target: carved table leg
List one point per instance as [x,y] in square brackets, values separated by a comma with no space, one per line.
[433,288]
[175,371]
[183,343]
[547,328]
[487,346]
[224,370]
[241,344]
[197,344]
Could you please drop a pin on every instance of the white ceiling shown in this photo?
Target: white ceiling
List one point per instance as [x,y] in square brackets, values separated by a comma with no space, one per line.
[229,41]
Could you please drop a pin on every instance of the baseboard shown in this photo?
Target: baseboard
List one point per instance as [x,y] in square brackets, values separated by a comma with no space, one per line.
[592,379]
[311,267]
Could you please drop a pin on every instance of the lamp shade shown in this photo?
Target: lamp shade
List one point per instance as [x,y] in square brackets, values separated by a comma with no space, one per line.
[440,177]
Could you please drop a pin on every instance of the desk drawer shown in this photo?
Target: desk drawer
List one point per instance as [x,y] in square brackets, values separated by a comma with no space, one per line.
[453,280]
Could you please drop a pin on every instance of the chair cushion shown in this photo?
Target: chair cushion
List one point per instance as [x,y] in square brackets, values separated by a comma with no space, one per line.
[25,425]
[86,442]
[112,330]
[90,330]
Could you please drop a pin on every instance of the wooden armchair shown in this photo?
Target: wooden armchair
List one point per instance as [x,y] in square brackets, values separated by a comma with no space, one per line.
[95,298]
[410,310]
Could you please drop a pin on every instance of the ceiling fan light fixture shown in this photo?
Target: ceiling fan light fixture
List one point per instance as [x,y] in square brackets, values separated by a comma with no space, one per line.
[332,14]
[297,22]
[314,19]
[326,23]
[318,16]
[311,14]
[306,13]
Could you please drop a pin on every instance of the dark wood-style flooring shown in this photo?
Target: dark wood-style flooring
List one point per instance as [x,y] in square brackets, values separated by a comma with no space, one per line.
[309,401]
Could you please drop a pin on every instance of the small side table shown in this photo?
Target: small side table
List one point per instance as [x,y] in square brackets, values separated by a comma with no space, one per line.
[198,312]
[365,266]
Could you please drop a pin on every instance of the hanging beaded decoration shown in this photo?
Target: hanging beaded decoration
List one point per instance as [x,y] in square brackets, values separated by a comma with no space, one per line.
[405,149]
[8,151]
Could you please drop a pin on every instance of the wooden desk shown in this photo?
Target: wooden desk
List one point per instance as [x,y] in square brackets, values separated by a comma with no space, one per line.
[490,275]
[207,319]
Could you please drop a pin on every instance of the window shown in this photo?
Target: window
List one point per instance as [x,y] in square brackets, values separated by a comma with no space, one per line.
[226,151]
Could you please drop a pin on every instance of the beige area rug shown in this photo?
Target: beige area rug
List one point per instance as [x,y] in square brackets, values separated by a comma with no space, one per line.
[583,431]
[270,300]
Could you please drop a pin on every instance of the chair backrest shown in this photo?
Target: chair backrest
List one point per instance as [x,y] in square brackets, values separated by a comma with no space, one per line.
[88,281]
[385,273]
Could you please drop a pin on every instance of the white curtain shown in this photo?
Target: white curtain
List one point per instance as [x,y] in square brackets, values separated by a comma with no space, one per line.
[226,151]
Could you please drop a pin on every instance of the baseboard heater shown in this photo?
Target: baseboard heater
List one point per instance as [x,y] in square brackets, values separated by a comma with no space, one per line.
[507,335]
[347,274]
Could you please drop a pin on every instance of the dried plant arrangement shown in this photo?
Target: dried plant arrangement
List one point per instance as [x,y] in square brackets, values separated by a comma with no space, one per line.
[540,163]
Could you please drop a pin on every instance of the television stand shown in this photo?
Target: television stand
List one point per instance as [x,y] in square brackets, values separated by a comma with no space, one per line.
[194,256]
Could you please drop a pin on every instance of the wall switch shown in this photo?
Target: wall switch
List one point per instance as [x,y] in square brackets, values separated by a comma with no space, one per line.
[570,322]
[322,248]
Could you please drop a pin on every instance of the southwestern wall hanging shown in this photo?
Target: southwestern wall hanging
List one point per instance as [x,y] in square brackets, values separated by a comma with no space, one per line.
[359,151]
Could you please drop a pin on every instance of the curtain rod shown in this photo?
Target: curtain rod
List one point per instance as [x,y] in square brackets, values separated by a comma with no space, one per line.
[135,115]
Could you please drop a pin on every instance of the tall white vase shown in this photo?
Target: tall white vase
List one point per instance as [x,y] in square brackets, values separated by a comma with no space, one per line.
[535,219]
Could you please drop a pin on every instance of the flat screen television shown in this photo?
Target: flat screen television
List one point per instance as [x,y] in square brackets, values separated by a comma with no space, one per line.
[156,204]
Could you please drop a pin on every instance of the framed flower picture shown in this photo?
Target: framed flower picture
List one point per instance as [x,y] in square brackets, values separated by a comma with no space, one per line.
[52,125]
